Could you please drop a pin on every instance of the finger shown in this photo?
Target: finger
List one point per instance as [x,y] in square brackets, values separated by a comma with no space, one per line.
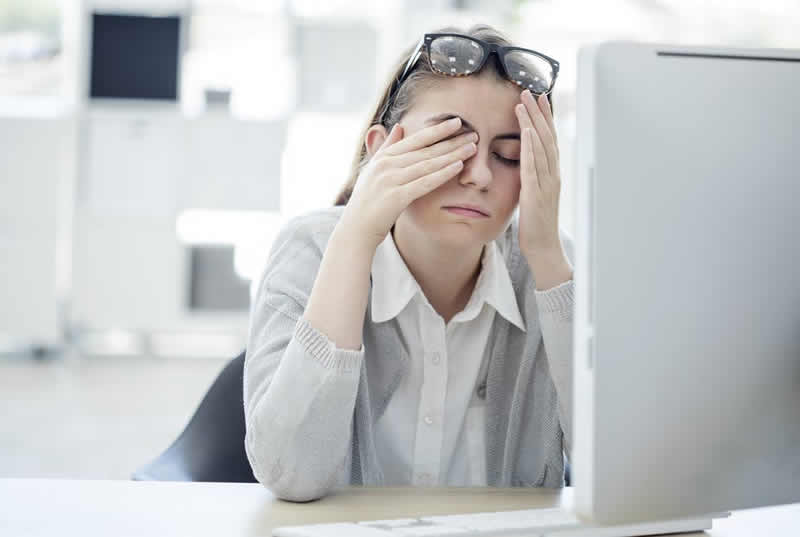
[539,157]
[542,128]
[526,162]
[428,183]
[544,106]
[528,150]
[523,117]
[426,167]
[526,122]
[425,137]
[439,148]
[395,135]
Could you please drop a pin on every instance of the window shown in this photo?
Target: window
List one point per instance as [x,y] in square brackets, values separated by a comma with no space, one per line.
[31,60]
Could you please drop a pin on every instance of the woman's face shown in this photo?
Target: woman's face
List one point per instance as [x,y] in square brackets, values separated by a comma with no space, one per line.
[490,178]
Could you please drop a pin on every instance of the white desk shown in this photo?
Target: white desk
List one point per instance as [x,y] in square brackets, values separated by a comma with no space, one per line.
[33,507]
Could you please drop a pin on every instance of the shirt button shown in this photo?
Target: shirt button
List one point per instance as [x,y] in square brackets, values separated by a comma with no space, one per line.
[428,420]
[436,358]
[482,391]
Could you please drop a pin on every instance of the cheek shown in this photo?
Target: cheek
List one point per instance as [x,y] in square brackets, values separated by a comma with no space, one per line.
[432,198]
[422,206]
[508,200]
[510,187]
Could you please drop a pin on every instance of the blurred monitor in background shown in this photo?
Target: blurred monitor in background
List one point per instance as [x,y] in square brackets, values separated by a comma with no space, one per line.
[135,57]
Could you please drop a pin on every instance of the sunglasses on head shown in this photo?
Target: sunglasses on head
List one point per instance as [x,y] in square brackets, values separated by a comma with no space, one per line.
[461,55]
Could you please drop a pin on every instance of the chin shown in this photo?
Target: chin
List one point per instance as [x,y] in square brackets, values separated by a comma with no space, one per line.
[461,233]
[440,227]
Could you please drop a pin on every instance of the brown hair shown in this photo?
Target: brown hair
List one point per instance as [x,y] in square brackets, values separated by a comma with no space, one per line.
[389,111]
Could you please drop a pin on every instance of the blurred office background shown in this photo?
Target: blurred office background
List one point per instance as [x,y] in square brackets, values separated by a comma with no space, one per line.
[149,151]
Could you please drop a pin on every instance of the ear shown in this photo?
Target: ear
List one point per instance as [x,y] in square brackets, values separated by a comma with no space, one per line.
[374,139]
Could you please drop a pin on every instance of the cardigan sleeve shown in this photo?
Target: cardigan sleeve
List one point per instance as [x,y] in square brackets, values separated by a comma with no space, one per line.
[299,388]
[556,308]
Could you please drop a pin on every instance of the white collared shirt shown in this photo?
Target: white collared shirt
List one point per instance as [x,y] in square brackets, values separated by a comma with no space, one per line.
[432,432]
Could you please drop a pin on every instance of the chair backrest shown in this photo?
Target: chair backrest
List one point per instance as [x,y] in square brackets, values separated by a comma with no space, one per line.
[211,446]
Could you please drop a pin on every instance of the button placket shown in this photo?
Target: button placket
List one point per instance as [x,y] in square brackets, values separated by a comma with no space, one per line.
[428,445]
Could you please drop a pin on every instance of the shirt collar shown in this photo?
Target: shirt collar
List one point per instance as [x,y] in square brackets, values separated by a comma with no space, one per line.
[393,286]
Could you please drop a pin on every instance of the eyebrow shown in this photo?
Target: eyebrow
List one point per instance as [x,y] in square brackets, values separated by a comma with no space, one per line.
[466,126]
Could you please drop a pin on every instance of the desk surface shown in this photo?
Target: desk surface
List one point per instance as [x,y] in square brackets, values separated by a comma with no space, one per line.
[72,507]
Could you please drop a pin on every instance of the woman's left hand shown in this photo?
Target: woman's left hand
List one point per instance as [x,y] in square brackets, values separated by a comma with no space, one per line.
[540,189]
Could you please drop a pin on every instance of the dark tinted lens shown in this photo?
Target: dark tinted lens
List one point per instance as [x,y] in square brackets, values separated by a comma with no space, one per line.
[529,71]
[451,55]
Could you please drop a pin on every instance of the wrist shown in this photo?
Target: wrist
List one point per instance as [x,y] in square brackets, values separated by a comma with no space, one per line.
[550,268]
[348,235]
[550,254]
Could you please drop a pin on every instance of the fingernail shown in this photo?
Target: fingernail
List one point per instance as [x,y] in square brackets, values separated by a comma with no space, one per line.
[454,121]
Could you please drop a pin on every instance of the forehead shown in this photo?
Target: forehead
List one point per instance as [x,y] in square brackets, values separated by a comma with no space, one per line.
[483,100]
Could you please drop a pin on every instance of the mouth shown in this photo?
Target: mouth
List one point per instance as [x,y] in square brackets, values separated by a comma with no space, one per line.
[472,212]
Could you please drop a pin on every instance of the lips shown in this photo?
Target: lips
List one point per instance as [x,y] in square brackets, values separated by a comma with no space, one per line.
[469,207]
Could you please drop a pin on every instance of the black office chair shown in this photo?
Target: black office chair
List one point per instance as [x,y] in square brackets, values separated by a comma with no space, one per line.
[211,446]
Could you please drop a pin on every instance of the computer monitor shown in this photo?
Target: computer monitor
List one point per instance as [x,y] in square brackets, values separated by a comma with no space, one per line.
[135,56]
[687,278]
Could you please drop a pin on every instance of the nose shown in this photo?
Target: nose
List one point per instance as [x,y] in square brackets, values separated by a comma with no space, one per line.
[476,171]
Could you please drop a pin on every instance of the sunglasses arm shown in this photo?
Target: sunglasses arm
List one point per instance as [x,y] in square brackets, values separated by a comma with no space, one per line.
[413,59]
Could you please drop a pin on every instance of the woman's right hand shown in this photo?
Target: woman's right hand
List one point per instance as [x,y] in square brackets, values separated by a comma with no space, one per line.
[402,170]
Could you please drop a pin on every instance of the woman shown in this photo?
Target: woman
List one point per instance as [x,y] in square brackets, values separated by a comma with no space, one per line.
[419,333]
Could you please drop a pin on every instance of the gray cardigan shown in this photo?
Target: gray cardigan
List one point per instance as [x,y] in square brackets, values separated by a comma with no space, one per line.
[310,408]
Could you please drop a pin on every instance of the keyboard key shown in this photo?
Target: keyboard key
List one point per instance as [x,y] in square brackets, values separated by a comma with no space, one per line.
[430,531]
[393,523]
[332,530]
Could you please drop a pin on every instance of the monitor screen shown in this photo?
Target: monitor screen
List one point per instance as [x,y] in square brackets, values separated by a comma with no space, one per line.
[134,57]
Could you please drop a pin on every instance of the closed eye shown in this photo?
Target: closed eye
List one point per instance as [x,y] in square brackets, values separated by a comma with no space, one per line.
[507,161]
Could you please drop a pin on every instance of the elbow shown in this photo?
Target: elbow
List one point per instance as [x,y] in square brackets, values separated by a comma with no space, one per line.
[289,484]
[293,487]
[292,492]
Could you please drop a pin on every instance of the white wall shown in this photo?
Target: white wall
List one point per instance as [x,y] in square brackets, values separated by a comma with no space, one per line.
[141,167]
[37,165]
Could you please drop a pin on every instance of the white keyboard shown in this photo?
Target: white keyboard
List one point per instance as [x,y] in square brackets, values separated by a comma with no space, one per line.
[528,523]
